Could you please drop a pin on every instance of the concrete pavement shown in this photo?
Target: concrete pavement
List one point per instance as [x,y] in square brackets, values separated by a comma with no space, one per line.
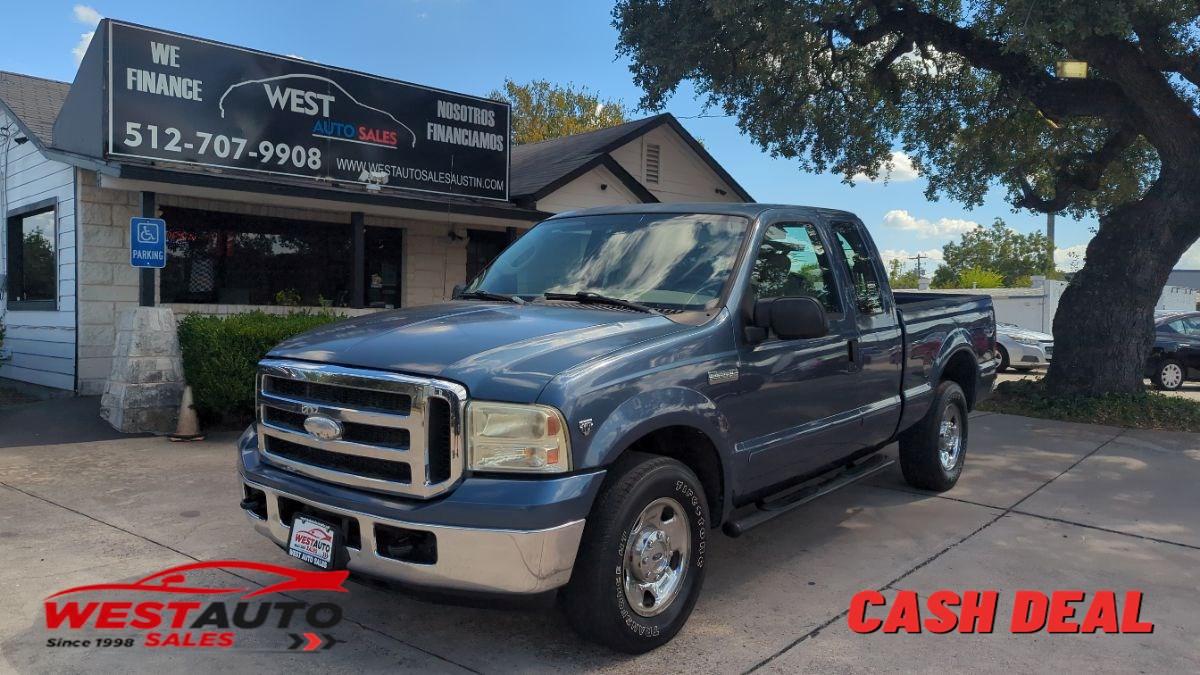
[1042,505]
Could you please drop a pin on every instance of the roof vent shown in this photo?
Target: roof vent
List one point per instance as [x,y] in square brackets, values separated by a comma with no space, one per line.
[653,152]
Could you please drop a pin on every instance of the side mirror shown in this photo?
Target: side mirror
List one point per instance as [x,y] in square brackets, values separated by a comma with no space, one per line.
[792,318]
[458,291]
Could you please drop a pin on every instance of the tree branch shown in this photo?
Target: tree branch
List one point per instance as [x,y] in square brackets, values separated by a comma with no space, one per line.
[1056,98]
[1150,39]
[1085,177]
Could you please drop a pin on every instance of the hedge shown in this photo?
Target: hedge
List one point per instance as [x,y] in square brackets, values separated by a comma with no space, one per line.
[221,354]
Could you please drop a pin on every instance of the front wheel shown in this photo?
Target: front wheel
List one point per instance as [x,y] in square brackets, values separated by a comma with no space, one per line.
[932,451]
[1003,360]
[641,561]
[1169,375]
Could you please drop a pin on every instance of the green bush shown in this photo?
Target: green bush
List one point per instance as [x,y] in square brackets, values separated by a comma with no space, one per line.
[221,354]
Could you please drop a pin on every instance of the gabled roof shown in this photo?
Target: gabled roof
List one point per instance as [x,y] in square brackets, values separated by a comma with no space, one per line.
[540,168]
[34,101]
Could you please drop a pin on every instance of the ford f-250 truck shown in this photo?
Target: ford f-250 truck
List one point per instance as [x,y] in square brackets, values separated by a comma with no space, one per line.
[615,387]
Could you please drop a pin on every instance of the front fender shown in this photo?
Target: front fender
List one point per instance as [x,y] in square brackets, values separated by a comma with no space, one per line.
[649,411]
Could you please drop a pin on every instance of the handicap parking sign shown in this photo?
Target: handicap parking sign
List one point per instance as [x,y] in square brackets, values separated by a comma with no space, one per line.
[147,242]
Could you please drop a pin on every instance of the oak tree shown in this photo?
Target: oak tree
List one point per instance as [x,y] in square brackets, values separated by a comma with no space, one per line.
[971,92]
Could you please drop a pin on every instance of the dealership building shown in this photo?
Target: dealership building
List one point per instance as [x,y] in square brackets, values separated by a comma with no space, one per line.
[282,183]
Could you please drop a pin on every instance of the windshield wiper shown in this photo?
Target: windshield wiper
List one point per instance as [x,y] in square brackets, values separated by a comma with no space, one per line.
[486,295]
[587,297]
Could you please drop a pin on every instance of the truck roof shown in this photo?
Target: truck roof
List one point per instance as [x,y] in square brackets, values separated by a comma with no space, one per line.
[750,210]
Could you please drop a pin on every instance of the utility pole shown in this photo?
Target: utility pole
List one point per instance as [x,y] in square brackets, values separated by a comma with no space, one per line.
[1050,229]
[919,257]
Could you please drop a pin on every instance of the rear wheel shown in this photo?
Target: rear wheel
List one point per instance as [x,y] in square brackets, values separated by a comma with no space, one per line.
[933,451]
[641,561]
[1169,375]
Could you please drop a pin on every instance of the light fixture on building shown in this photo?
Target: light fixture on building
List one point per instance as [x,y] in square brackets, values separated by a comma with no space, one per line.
[21,140]
[1069,69]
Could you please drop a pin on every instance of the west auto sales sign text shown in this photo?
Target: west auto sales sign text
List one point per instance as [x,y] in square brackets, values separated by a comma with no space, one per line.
[185,100]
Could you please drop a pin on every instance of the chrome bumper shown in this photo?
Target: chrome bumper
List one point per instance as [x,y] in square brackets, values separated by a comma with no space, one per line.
[469,559]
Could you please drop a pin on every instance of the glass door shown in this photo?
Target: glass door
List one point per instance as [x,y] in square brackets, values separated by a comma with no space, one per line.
[384,270]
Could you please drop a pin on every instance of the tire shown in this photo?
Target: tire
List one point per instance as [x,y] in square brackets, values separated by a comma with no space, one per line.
[922,460]
[667,498]
[1003,360]
[1169,375]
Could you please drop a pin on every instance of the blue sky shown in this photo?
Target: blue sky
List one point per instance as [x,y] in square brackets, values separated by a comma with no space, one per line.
[471,46]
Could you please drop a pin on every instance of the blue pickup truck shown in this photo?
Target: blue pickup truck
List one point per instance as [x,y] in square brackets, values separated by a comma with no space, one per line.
[615,387]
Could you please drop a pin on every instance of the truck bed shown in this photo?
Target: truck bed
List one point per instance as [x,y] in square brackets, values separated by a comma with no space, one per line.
[935,325]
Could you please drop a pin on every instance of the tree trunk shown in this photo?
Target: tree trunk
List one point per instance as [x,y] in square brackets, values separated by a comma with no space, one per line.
[1104,326]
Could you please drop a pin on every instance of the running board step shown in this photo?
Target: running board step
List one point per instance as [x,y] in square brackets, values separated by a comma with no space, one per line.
[788,499]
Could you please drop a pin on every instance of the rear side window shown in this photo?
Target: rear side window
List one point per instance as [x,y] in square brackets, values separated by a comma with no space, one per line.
[792,262]
[868,292]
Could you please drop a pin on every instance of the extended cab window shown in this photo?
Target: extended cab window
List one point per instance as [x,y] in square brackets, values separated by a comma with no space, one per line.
[868,293]
[792,262]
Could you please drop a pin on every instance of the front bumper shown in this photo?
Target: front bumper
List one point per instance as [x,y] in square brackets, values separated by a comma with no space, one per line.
[468,559]
[1023,355]
[497,535]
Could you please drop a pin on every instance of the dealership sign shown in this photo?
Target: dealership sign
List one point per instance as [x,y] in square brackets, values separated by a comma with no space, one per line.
[182,100]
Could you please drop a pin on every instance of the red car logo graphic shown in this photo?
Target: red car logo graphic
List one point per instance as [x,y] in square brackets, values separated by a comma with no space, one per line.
[174,580]
[317,533]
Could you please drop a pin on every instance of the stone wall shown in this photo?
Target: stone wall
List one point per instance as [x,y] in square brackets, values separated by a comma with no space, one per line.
[108,285]
[146,382]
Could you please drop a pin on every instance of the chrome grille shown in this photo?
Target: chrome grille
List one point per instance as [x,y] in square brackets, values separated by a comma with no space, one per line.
[399,434]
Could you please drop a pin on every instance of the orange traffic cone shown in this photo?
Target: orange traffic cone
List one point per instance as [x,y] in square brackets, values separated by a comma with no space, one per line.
[188,428]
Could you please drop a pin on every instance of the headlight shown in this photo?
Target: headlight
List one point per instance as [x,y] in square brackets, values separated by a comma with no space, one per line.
[518,438]
[1032,342]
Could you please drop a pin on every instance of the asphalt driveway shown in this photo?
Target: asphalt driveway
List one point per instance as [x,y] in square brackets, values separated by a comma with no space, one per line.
[1042,506]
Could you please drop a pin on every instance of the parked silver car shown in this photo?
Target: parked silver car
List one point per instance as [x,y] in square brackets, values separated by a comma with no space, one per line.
[1023,349]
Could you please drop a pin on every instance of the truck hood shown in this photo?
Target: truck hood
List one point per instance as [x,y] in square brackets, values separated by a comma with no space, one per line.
[499,351]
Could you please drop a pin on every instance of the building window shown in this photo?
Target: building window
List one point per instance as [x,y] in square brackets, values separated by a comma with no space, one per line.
[32,260]
[234,259]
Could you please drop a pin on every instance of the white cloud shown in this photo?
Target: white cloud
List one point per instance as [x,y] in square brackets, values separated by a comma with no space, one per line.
[80,49]
[1069,258]
[89,16]
[899,169]
[899,219]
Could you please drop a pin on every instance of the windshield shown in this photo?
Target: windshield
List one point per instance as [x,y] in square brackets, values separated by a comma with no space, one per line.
[664,261]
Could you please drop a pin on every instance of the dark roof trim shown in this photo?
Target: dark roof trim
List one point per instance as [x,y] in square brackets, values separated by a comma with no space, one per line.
[605,160]
[635,186]
[636,132]
[391,198]
[37,140]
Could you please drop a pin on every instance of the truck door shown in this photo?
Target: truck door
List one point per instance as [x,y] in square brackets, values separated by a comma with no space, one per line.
[878,351]
[795,398]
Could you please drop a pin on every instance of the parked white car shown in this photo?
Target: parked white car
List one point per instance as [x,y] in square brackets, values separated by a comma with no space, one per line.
[1023,349]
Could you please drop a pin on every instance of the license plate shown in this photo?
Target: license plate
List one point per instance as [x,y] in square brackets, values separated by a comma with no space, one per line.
[313,541]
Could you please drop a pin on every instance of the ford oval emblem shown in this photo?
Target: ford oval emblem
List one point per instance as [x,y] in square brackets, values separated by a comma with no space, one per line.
[323,428]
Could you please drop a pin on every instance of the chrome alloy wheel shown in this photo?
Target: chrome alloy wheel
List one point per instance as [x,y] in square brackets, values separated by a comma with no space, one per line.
[950,437]
[657,556]
[1171,376]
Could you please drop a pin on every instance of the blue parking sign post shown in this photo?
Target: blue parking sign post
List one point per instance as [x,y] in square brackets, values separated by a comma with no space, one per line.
[148,242]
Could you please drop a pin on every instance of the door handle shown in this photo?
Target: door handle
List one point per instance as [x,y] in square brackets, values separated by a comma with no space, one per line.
[852,351]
